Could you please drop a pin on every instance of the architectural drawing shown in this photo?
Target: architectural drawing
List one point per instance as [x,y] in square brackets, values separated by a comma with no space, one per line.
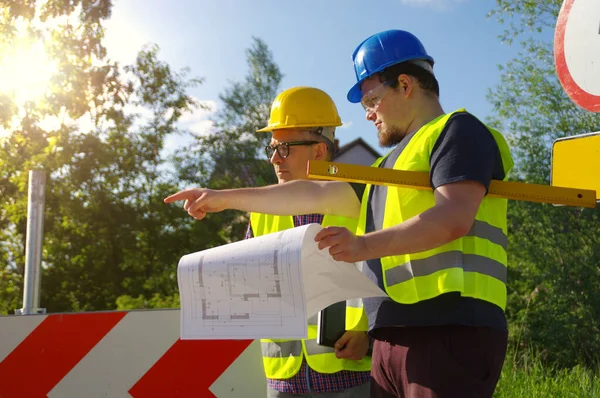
[255,289]
[263,287]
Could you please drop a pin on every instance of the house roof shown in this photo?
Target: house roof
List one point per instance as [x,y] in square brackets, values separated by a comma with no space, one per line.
[358,141]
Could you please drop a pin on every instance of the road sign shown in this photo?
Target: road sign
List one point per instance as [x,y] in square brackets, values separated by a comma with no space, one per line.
[318,169]
[576,162]
[122,354]
[577,52]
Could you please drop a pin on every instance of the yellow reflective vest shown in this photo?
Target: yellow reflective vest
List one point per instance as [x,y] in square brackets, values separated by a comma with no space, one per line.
[474,265]
[282,358]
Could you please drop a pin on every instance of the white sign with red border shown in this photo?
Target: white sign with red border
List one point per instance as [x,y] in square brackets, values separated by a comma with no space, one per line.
[577,52]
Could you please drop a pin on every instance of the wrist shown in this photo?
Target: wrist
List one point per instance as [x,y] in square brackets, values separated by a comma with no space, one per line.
[368,247]
[230,199]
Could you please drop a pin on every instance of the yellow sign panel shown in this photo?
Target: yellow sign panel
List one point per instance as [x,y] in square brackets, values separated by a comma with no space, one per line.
[576,162]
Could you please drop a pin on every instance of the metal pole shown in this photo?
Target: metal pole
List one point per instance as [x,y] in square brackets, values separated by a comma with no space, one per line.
[33,248]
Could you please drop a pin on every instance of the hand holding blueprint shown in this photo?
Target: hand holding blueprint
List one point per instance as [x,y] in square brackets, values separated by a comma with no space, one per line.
[264,287]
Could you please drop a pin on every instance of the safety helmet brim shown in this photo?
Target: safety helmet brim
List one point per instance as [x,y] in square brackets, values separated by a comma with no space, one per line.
[271,127]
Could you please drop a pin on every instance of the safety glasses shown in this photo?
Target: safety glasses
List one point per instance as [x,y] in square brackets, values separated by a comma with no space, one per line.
[283,148]
[372,98]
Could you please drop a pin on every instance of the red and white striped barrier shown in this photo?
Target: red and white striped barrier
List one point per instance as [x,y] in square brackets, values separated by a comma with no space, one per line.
[121,354]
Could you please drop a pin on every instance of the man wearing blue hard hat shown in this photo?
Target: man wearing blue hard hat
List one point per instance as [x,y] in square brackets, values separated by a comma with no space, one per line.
[439,254]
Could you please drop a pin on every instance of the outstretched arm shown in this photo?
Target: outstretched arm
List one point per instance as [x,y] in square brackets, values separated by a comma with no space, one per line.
[291,198]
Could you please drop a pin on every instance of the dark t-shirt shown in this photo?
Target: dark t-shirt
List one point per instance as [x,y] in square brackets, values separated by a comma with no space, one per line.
[464,151]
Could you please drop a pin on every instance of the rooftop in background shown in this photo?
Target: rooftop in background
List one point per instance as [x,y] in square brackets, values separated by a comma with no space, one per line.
[357,151]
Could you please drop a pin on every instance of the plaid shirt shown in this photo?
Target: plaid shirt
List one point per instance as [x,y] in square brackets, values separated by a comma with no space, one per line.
[308,380]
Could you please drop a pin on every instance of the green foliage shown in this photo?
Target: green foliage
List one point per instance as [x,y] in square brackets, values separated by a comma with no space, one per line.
[109,240]
[157,300]
[525,375]
[525,16]
[107,232]
[554,304]
[232,155]
[554,274]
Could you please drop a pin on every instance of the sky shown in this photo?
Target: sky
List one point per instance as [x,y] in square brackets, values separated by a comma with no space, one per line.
[312,42]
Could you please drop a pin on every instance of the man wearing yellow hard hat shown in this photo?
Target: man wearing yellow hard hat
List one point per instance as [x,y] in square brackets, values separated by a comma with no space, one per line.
[302,123]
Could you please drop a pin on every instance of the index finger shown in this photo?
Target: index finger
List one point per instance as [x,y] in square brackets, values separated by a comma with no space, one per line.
[181,195]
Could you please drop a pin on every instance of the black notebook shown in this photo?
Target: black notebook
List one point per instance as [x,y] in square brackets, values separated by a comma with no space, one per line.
[331,324]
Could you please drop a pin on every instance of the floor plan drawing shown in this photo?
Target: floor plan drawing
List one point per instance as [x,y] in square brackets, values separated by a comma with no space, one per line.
[257,285]
[230,292]
[264,287]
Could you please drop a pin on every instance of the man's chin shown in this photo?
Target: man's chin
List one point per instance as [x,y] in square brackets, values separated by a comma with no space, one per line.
[283,177]
[389,138]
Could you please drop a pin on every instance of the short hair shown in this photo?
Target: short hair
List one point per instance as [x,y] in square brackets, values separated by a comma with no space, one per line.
[321,134]
[425,78]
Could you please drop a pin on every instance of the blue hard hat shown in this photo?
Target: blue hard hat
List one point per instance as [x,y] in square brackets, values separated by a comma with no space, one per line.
[381,51]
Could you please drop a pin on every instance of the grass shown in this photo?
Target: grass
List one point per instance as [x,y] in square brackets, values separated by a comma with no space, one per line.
[530,378]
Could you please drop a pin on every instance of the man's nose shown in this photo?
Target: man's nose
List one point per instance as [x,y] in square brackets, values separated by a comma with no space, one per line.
[275,158]
[371,115]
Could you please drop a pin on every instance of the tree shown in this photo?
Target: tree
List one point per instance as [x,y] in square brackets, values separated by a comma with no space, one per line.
[554,253]
[107,232]
[232,154]
[25,144]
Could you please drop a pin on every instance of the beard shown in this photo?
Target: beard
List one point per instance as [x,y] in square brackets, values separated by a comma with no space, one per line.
[389,136]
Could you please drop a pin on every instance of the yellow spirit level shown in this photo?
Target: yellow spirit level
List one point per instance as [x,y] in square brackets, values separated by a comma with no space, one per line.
[322,170]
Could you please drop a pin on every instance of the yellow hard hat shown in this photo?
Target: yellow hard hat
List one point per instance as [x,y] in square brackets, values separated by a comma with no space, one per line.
[301,107]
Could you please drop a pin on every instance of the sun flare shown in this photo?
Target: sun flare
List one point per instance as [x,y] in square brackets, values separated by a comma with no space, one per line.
[25,72]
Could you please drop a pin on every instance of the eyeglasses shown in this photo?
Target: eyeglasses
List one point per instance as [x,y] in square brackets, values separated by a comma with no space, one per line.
[283,148]
[371,100]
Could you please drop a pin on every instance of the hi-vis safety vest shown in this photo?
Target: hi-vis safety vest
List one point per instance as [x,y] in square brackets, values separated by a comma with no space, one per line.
[282,358]
[474,265]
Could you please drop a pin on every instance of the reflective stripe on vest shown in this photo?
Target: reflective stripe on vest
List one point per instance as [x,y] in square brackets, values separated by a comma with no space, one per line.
[474,265]
[277,349]
[283,358]
[446,260]
[354,303]
[356,317]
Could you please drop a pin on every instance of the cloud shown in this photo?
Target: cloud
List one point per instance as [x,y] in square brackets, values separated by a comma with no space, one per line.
[196,122]
[346,125]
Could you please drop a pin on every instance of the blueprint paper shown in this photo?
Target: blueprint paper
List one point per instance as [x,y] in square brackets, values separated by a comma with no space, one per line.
[246,289]
[264,287]
[327,281]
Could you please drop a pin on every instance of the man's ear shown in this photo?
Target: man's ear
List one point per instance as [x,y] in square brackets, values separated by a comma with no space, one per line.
[320,151]
[405,84]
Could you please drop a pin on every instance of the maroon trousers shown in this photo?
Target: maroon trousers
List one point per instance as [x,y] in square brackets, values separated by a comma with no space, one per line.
[437,361]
